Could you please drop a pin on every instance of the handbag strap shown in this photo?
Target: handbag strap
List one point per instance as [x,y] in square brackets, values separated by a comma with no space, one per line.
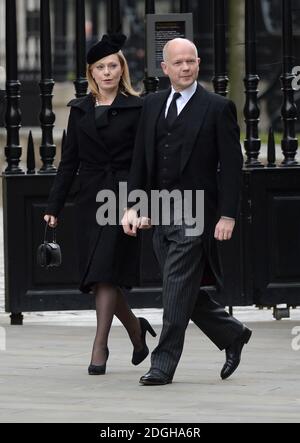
[53,234]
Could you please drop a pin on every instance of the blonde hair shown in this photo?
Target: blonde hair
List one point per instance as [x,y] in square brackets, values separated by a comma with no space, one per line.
[125,86]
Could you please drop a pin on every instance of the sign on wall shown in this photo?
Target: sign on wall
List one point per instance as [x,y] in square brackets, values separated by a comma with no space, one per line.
[160,28]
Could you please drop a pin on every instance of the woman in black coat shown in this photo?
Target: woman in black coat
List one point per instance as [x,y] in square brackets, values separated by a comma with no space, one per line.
[99,145]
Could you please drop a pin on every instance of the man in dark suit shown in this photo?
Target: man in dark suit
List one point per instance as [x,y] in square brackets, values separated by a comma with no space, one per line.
[185,135]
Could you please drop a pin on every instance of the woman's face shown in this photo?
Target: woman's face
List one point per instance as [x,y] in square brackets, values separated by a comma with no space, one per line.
[107,73]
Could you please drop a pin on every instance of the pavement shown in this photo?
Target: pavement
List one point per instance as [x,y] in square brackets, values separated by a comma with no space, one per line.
[44,379]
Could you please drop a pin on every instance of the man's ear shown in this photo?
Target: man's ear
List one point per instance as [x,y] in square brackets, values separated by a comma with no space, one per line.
[164,68]
[199,61]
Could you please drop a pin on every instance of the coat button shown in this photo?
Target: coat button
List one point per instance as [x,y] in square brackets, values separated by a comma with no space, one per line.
[114,113]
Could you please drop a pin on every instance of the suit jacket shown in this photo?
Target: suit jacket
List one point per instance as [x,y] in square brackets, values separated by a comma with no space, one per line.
[211,158]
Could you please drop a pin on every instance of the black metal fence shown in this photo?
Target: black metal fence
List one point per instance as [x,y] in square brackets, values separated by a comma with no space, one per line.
[261,263]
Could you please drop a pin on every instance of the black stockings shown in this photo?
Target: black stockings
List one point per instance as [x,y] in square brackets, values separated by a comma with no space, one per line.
[111,301]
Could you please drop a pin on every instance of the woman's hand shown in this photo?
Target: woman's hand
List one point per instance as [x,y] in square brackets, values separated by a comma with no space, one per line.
[144,223]
[51,220]
[130,221]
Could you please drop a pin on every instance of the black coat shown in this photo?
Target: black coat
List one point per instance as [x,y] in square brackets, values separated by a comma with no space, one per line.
[211,143]
[102,157]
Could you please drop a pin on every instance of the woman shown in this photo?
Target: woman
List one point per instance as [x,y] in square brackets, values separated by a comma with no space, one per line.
[100,140]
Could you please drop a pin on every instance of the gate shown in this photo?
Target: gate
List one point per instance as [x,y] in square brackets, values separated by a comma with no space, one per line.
[261,264]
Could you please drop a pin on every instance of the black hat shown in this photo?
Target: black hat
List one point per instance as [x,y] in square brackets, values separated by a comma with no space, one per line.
[110,44]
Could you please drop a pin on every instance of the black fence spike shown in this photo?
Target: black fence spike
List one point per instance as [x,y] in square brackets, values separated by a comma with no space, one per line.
[63,141]
[271,149]
[30,155]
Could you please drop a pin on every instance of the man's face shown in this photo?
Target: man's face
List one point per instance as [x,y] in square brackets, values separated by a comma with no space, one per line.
[181,65]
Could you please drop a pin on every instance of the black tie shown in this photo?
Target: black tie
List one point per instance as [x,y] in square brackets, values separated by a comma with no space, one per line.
[172,111]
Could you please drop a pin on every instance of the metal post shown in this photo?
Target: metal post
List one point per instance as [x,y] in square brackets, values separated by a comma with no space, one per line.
[47,117]
[13,150]
[220,79]
[251,109]
[150,7]
[60,40]
[114,21]
[80,83]
[184,6]
[289,142]
[95,25]
[151,83]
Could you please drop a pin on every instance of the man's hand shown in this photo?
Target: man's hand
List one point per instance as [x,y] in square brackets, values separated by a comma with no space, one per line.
[130,222]
[224,229]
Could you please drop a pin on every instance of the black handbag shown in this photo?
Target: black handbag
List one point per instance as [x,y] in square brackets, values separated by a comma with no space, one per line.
[49,253]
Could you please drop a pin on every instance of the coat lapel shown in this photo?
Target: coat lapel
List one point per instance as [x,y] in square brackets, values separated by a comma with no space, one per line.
[156,108]
[120,102]
[197,111]
[87,122]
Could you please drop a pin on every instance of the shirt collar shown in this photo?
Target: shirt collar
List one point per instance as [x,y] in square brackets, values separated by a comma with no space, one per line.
[187,93]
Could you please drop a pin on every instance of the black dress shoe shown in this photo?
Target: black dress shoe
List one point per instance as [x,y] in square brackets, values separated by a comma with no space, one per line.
[98,369]
[233,353]
[155,377]
[139,356]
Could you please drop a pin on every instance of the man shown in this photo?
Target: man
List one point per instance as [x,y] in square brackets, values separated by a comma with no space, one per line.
[185,135]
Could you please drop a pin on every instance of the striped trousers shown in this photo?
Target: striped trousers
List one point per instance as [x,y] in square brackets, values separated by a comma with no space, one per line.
[182,261]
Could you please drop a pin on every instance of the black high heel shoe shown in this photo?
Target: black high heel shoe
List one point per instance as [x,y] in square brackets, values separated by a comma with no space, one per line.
[98,369]
[139,356]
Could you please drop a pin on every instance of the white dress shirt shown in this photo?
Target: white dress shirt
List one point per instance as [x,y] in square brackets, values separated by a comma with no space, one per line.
[186,95]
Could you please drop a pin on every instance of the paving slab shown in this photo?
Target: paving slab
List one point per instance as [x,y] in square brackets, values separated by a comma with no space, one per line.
[43,378]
